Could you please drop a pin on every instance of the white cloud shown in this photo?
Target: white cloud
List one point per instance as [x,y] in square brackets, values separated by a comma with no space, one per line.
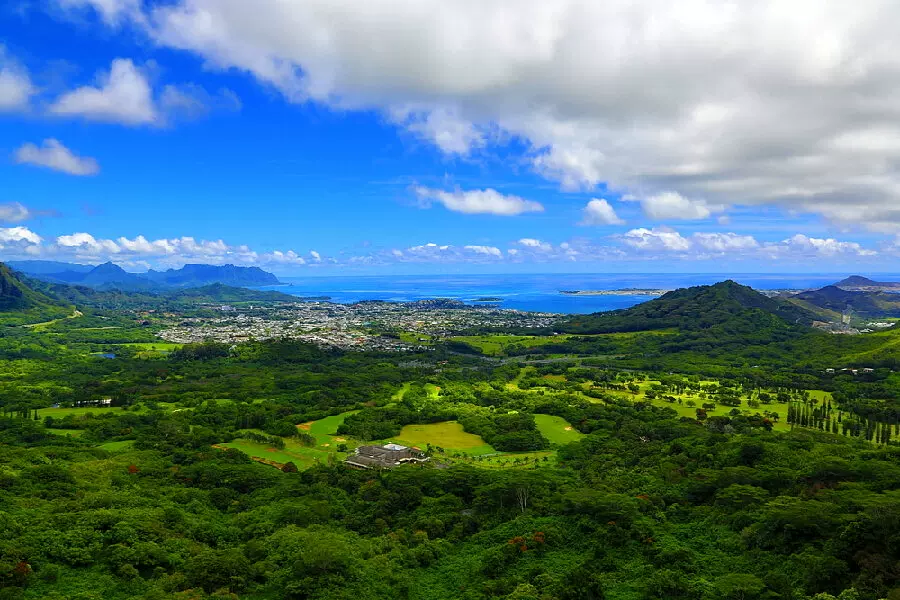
[536,244]
[123,95]
[724,242]
[315,256]
[444,128]
[14,212]
[111,11]
[600,212]
[672,205]
[473,202]
[52,154]
[802,244]
[16,88]
[18,236]
[487,250]
[767,102]
[661,238]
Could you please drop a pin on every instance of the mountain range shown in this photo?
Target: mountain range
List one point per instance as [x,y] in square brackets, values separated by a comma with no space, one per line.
[111,276]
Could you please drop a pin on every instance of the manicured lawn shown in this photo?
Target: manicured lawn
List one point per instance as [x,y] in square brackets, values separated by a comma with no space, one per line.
[159,346]
[293,452]
[65,432]
[493,345]
[59,413]
[691,411]
[449,435]
[556,429]
[325,430]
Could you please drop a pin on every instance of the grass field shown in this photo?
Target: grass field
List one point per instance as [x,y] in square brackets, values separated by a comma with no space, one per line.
[65,432]
[449,435]
[687,411]
[493,345]
[117,446]
[325,430]
[80,411]
[299,455]
[160,346]
[327,440]
[556,429]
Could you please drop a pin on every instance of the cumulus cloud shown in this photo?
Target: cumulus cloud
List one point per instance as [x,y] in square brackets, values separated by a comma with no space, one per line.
[52,154]
[600,212]
[672,205]
[795,104]
[473,202]
[487,250]
[536,244]
[140,251]
[18,237]
[802,244]
[16,88]
[444,253]
[123,95]
[442,127]
[702,245]
[661,238]
[724,242]
[14,212]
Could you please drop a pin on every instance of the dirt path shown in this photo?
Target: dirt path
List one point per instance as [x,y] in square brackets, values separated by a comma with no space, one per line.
[75,314]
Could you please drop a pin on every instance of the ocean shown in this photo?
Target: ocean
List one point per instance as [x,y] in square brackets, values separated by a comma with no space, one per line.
[529,292]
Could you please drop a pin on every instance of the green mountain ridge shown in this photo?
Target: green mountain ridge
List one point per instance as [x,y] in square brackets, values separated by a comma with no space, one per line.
[834,298]
[726,304]
[20,303]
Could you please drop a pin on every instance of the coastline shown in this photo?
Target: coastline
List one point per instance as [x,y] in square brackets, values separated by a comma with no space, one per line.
[620,292]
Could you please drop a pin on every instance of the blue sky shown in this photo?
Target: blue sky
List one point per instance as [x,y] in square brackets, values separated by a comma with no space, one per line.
[335,137]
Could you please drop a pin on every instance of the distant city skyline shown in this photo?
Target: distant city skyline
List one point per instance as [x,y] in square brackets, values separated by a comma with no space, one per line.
[330,137]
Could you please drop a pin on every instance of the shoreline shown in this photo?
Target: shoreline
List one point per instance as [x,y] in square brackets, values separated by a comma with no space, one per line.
[621,292]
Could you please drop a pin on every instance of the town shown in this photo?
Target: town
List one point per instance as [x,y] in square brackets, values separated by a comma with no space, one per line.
[361,326]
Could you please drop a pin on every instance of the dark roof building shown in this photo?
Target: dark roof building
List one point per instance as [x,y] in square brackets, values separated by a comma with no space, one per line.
[384,457]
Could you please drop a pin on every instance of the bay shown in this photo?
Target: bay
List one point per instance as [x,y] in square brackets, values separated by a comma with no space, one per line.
[532,292]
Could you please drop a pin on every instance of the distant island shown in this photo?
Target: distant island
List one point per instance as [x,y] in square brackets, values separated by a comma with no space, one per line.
[488,299]
[620,292]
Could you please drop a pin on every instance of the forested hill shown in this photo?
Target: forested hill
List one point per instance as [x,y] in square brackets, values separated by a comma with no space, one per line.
[870,303]
[857,281]
[727,305]
[19,303]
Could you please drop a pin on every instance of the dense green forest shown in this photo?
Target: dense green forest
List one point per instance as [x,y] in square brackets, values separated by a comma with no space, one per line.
[714,448]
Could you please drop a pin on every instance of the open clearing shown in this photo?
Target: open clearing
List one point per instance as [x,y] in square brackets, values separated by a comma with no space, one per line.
[449,435]
[556,429]
[493,345]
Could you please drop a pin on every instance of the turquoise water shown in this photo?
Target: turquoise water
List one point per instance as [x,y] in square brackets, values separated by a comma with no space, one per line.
[539,293]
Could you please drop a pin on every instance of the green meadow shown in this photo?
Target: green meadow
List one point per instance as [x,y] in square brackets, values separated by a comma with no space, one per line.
[556,429]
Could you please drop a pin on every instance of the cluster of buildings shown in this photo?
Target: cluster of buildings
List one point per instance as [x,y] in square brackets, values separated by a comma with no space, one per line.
[349,326]
[387,456]
[847,371]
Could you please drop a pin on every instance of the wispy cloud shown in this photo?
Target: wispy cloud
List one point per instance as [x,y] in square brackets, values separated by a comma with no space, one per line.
[474,202]
[52,154]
